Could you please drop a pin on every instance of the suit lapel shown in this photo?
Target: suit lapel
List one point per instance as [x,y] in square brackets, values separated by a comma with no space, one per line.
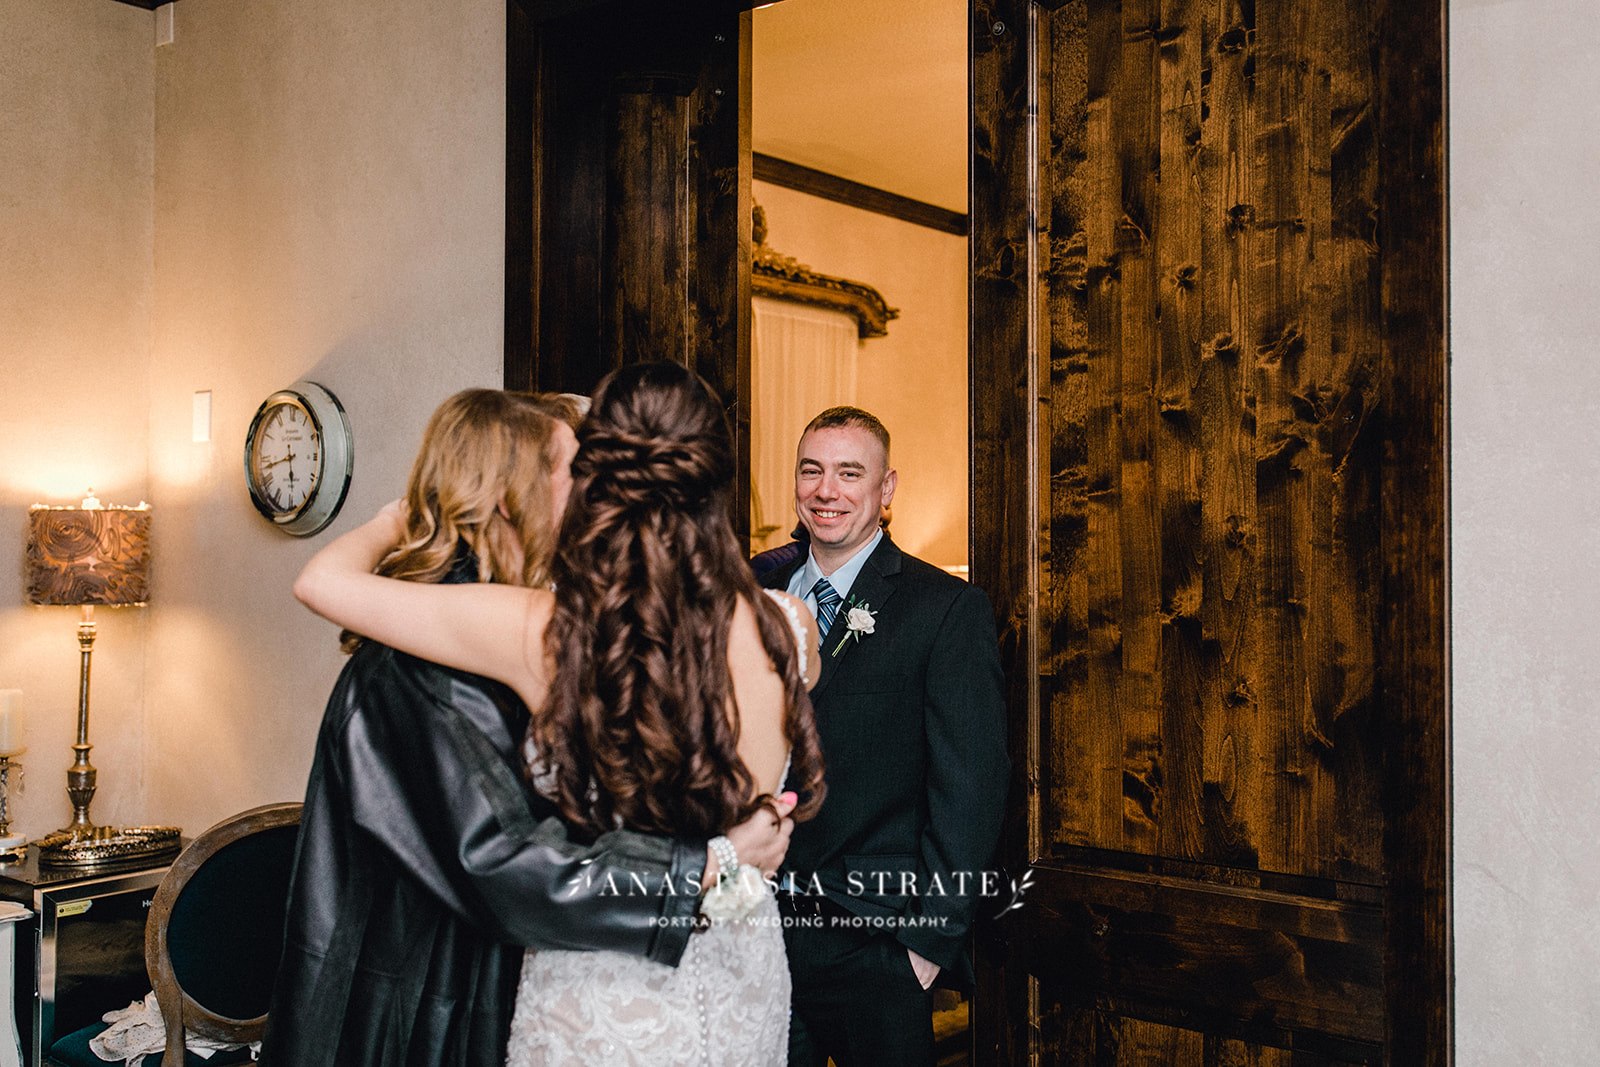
[872,589]
[780,578]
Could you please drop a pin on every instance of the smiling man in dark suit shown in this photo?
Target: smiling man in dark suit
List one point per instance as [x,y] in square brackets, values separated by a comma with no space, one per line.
[910,709]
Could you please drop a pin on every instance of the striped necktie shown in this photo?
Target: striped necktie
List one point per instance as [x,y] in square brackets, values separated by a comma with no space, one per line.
[828,601]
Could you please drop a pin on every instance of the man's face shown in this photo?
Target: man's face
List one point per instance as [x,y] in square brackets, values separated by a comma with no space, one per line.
[842,481]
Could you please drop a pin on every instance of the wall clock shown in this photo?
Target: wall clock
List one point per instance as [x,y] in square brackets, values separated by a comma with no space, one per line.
[298,457]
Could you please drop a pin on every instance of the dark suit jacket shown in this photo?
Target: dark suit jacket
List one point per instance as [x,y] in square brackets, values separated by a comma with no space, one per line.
[912,721]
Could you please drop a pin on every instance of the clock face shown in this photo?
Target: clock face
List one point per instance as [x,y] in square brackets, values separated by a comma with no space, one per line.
[286,457]
[297,458]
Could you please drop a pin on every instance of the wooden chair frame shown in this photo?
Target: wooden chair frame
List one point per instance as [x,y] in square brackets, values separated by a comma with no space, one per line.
[180,1011]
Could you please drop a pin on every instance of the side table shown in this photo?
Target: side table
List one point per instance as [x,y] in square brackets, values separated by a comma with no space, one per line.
[81,953]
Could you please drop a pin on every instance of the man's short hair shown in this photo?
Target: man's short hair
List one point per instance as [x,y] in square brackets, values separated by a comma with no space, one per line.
[849,416]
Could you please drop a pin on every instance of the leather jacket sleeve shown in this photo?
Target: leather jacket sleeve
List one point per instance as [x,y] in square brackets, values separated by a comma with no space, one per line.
[434,777]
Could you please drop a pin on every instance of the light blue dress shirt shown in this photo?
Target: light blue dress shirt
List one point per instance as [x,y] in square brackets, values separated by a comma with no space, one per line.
[805,579]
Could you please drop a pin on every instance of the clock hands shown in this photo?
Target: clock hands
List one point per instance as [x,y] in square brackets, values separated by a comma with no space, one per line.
[271,490]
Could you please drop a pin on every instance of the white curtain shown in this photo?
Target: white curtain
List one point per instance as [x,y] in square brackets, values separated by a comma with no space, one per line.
[803,359]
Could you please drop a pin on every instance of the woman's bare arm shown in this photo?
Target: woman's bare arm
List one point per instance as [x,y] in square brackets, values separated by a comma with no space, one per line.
[482,628]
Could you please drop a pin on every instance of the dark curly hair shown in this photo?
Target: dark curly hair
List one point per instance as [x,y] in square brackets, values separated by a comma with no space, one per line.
[637,731]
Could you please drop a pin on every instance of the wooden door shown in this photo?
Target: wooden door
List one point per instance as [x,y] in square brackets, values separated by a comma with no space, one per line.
[628,195]
[1209,501]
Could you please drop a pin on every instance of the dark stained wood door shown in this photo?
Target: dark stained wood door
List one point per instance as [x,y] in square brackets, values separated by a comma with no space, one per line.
[628,194]
[1208,381]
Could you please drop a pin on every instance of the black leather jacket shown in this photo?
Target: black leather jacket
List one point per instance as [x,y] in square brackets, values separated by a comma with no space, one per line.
[424,862]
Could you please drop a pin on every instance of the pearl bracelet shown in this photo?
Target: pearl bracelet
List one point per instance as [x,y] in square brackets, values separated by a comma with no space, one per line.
[727,858]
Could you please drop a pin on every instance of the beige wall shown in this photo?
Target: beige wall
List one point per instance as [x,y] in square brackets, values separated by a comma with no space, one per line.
[870,90]
[77,134]
[292,189]
[1525,418]
[915,379]
[329,204]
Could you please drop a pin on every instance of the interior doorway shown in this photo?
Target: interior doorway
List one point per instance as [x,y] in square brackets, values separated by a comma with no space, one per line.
[859,140]
[859,121]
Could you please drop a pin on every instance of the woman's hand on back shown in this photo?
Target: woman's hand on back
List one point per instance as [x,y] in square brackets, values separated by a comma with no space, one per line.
[762,840]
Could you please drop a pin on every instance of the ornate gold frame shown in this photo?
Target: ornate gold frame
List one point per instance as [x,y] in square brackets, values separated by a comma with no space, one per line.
[785,278]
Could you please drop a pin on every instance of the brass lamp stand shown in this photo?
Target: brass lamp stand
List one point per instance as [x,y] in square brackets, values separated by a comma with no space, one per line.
[87,556]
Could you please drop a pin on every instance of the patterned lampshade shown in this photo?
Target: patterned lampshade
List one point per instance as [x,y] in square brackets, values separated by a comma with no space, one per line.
[89,555]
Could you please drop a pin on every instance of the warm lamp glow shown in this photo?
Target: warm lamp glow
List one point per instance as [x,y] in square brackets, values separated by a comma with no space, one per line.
[61,474]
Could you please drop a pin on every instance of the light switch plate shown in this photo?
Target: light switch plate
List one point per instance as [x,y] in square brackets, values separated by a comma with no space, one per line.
[202,416]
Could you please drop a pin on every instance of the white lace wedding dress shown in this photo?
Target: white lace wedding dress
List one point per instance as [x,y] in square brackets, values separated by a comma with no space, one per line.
[727,1001]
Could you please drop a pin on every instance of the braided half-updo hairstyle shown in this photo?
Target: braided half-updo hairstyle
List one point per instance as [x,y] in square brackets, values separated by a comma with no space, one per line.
[636,731]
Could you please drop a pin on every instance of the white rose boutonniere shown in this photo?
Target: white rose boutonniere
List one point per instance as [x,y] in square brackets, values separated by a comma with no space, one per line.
[858,621]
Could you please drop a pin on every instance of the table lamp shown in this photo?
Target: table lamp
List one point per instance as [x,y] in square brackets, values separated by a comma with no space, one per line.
[83,557]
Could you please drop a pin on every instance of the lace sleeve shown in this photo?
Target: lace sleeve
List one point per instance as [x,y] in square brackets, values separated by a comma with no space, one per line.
[792,613]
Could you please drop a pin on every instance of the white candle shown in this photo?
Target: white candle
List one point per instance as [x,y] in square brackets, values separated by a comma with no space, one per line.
[9,699]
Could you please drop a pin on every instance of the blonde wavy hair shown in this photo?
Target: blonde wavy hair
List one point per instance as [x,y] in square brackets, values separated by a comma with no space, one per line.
[481,481]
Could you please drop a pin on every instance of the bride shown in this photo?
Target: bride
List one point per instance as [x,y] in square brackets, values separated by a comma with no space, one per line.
[671,699]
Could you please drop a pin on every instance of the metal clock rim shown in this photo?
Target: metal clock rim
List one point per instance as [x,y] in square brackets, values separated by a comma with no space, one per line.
[273,400]
[338,457]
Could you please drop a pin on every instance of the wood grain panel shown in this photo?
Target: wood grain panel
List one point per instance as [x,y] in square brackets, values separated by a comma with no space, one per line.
[1179,258]
[628,237]
[1078,756]
[1355,433]
[1236,789]
[1212,514]
[1230,667]
[556,345]
[1131,177]
[1226,955]
[718,289]
[645,315]
[1277,339]
[1415,494]
[522,239]
[1004,449]
[1103,1039]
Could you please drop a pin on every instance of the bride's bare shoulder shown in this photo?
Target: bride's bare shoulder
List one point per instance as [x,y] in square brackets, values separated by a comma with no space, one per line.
[743,629]
[745,647]
[745,644]
[804,628]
